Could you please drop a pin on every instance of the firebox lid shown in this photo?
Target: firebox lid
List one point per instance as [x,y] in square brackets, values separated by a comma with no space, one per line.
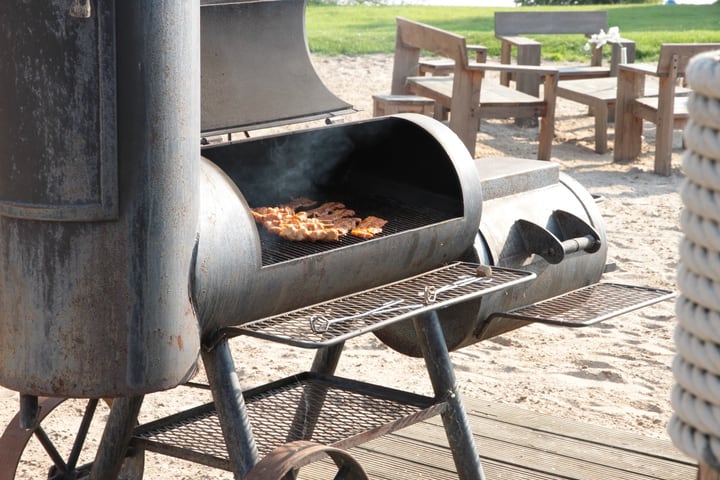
[256,67]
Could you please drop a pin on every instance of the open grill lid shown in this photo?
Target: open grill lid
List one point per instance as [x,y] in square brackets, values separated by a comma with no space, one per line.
[256,67]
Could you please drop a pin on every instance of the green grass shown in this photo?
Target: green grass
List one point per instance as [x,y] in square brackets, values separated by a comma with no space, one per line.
[357,30]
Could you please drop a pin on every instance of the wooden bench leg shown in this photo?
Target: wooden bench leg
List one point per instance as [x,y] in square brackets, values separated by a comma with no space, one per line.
[545,139]
[628,127]
[601,126]
[465,110]
[664,130]
[441,113]
[547,121]
[505,54]
[527,82]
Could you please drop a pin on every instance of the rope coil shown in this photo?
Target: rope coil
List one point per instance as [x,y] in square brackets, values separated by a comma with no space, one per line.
[700,260]
[702,139]
[701,169]
[703,74]
[695,425]
[698,321]
[704,110]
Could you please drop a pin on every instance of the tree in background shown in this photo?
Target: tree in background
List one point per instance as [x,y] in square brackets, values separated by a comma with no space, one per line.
[525,3]
[534,3]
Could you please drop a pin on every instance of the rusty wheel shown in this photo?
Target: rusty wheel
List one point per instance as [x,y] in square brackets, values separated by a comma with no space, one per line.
[62,446]
[285,462]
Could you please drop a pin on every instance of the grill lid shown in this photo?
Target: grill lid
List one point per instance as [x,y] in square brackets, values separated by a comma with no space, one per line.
[256,67]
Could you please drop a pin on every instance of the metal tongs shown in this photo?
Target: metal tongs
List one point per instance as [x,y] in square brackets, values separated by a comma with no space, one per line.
[430,293]
[321,324]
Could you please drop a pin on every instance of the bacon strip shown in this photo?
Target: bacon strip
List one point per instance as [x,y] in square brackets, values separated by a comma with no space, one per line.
[325,209]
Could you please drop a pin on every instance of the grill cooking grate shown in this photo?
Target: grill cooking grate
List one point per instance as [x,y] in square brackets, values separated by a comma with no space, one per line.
[326,409]
[588,305]
[342,318]
[401,217]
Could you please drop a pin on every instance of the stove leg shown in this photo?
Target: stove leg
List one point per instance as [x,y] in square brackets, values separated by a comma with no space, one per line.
[327,358]
[230,406]
[313,397]
[442,377]
[116,437]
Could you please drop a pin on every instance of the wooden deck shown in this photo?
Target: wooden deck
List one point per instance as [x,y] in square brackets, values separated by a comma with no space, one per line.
[518,444]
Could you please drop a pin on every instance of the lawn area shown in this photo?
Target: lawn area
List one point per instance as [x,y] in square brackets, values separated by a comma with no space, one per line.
[356,30]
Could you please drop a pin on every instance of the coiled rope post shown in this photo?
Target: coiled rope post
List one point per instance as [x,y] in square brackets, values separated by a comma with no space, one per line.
[695,424]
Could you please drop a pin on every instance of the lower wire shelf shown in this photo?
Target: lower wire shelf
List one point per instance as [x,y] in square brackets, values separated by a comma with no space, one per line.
[331,410]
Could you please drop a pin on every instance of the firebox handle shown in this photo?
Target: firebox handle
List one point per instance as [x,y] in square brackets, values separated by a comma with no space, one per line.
[578,236]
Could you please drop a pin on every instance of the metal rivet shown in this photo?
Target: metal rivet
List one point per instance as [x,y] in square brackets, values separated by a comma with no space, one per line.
[80,9]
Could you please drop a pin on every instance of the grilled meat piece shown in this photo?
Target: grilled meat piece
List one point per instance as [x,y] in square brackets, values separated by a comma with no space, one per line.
[325,209]
[368,227]
[326,223]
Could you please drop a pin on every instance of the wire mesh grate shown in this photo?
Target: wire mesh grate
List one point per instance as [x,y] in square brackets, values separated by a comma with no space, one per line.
[300,408]
[589,305]
[342,318]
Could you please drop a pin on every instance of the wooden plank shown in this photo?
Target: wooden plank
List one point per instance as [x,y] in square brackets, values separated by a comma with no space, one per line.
[441,89]
[583,431]
[579,72]
[538,23]
[647,108]
[708,473]
[682,52]
[568,457]
[415,457]
[514,444]
[589,91]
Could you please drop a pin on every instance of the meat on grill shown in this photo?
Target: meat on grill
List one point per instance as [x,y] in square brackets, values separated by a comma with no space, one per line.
[325,223]
[369,227]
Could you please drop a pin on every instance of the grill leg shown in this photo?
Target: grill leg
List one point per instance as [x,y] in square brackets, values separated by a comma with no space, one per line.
[442,377]
[313,397]
[116,437]
[327,358]
[230,406]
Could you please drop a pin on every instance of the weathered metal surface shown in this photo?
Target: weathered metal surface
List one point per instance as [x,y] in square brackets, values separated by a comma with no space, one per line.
[96,240]
[57,131]
[412,160]
[527,190]
[256,69]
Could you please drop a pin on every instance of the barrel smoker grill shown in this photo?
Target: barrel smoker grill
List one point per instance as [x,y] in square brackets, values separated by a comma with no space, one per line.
[98,235]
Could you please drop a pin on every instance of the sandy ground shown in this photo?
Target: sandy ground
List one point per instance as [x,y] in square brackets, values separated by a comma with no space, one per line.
[617,374]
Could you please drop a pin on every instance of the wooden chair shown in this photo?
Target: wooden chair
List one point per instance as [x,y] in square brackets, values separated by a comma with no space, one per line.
[464,94]
[511,29]
[666,110]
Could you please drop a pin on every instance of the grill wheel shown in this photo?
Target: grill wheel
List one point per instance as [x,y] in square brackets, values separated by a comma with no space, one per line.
[294,455]
[18,452]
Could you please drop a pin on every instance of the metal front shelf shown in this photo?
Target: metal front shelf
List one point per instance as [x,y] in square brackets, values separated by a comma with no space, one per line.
[337,320]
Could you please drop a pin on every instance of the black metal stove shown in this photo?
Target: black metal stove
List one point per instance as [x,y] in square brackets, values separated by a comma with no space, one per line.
[113,281]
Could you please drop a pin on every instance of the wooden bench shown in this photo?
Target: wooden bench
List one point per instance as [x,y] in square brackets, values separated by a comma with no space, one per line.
[666,110]
[512,28]
[464,94]
[599,94]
